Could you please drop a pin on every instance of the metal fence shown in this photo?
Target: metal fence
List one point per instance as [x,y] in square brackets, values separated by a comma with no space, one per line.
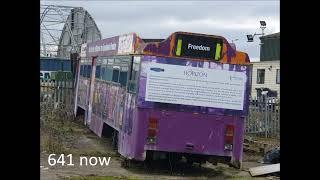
[57,95]
[56,84]
[263,119]
[58,79]
[58,88]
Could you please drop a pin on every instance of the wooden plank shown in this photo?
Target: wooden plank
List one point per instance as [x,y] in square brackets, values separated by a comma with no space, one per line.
[260,170]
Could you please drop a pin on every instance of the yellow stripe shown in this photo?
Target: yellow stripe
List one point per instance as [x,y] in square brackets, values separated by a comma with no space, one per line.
[178,50]
[218,50]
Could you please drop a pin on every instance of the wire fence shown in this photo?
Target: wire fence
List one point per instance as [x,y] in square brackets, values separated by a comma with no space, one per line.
[60,96]
[263,119]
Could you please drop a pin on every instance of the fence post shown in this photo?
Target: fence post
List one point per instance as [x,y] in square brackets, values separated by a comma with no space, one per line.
[273,116]
[266,116]
[278,120]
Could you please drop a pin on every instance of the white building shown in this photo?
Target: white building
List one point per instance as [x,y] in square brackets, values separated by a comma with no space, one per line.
[266,73]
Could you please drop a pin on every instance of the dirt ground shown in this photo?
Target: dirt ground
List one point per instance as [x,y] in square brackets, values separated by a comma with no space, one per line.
[88,144]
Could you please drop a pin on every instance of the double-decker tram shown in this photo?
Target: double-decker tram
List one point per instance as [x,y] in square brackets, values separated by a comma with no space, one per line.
[186,95]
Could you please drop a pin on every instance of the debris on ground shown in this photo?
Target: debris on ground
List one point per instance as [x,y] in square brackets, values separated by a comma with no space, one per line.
[262,170]
[272,156]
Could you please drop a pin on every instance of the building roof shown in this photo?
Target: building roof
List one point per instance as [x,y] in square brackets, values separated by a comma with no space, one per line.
[271,36]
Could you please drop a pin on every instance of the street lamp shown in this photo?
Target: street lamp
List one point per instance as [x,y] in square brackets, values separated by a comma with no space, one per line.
[250,37]
[232,44]
[263,25]
[234,40]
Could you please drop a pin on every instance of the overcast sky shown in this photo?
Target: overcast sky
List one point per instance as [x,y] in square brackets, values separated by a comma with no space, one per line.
[158,19]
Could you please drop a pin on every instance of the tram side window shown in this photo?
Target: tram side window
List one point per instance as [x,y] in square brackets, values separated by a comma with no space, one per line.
[123,76]
[81,70]
[88,75]
[103,71]
[133,80]
[106,73]
[115,73]
[85,70]
[98,72]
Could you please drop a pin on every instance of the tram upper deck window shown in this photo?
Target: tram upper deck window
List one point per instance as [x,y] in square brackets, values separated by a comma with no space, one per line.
[85,70]
[98,72]
[123,62]
[103,71]
[107,76]
[134,74]
[88,75]
[115,73]
[83,67]
[81,70]
[106,69]
[123,75]
[135,68]
[98,68]
[110,60]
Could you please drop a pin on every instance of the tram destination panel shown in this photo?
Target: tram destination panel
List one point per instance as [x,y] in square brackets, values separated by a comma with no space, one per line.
[198,47]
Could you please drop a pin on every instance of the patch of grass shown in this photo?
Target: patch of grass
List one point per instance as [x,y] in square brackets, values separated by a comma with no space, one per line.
[102,178]
[56,128]
[60,132]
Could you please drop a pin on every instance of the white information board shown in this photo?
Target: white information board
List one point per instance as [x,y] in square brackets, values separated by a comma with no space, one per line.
[125,44]
[195,86]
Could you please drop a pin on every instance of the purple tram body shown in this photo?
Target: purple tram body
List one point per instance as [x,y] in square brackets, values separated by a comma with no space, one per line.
[154,105]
